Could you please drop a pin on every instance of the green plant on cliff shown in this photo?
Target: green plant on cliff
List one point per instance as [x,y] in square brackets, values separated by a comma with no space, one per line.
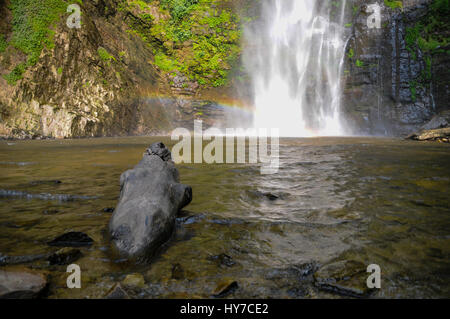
[413,90]
[178,8]
[351,53]
[104,55]
[394,4]
[16,74]
[3,43]
[441,6]
[165,63]
[412,35]
[31,25]
[428,36]
[192,37]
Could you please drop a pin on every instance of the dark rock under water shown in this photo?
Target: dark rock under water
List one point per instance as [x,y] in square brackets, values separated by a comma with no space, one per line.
[72,239]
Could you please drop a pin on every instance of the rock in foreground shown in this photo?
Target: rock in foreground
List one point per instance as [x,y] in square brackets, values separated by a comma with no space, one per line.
[150,198]
[21,284]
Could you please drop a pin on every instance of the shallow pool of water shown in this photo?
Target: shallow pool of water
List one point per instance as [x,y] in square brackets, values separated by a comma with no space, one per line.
[370,200]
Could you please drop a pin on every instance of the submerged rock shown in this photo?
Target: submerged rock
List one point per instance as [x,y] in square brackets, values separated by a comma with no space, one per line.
[72,239]
[47,182]
[64,256]
[177,272]
[117,292]
[21,283]
[225,288]
[134,281]
[150,198]
[345,277]
[266,195]
[223,260]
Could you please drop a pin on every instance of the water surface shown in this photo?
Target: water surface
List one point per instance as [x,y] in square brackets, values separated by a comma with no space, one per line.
[371,200]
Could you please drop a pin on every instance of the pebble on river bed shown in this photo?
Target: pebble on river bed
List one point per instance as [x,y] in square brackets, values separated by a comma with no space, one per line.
[134,281]
[21,283]
[117,292]
[225,288]
[177,272]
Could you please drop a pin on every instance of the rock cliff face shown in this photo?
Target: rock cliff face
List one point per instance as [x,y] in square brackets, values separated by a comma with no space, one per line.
[397,77]
[102,79]
[83,85]
[145,67]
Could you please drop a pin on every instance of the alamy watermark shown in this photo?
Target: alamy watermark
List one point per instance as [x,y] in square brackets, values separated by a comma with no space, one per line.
[74,279]
[374,280]
[220,142]
[74,20]
[374,20]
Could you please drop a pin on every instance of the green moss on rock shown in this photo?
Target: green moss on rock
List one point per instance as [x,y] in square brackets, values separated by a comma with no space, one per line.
[394,4]
[3,43]
[31,25]
[197,38]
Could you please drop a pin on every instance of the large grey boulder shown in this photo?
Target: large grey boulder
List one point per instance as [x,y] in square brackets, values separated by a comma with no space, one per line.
[150,198]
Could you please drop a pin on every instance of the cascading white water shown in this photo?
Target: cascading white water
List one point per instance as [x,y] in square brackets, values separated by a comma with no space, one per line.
[295,56]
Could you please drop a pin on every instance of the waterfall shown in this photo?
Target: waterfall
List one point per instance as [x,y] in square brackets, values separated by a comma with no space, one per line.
[294,55]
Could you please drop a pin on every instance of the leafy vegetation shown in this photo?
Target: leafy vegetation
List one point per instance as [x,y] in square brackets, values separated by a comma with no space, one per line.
[351,53]
[193,38]
[394,4]
[31,25]
[16,74]
[3,43]
[413,90]
[104,55]
[429,36]
[178,8]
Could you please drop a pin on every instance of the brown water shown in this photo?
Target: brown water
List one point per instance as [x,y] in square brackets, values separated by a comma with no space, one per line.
[382,201]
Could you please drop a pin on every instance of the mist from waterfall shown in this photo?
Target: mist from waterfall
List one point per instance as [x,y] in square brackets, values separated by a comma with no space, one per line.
[295,54]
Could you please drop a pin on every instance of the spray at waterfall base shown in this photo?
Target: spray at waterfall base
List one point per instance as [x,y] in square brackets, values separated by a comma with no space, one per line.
[233,141]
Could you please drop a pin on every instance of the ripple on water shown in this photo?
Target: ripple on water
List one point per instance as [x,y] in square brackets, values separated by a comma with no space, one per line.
[18,163]
[5,193]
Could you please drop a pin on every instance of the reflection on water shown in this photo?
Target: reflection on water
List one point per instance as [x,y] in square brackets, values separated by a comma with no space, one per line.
[370,200]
